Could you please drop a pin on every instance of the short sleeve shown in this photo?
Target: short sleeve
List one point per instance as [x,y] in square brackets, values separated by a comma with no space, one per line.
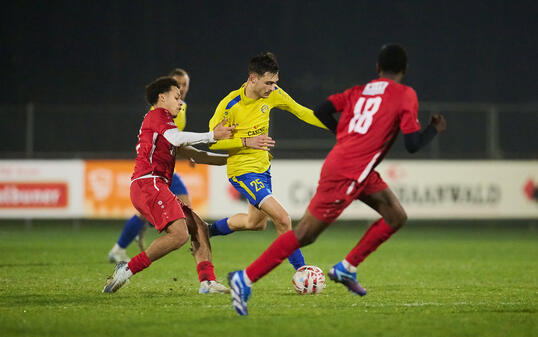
[409,113]
[340,100]
[160,121]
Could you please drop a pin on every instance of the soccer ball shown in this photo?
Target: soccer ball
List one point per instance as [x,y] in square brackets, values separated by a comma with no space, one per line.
[309,280]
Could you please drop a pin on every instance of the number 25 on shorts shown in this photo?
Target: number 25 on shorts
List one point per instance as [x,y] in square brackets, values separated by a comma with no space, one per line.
[257,184]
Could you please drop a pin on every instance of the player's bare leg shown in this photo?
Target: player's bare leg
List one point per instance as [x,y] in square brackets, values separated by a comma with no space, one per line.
[282,221]
[254,220]
[176,235]
[386,203]
[277,213]
[201,250]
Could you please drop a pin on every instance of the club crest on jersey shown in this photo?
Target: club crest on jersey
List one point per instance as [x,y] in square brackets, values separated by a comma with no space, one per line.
[265,108]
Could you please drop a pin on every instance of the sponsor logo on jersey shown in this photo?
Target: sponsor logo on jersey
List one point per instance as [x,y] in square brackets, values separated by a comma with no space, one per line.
[265,108]
[256,131]
[171,123]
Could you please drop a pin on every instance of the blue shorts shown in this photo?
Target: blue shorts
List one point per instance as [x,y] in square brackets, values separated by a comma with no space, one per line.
[178,187]
[256,187]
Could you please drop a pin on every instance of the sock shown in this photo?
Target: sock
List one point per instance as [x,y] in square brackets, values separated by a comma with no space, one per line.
[130,230]
[349,267]
[117,248]
[281,248]
[220,228]
[248,282]
[139,263]
[296,259]
[206,271]
[378,233]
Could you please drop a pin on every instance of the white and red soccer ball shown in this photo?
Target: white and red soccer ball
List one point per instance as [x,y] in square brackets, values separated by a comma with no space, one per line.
[309,280]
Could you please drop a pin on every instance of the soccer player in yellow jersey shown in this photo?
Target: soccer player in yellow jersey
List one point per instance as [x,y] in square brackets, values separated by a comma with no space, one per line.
[248,165]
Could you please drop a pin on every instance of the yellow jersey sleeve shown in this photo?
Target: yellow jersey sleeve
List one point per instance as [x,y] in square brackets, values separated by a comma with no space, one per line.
[181,118]
[218,116]
[285,102]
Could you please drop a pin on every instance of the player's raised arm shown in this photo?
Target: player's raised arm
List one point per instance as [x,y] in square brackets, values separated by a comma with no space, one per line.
[200,156]
[303,113]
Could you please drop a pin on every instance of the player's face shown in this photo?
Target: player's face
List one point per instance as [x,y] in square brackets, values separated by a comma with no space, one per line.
[265,84]
[171,100]
[184,83]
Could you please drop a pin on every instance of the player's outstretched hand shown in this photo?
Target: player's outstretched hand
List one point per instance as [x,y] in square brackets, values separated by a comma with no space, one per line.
[221,131]
[438,122]
[261,142]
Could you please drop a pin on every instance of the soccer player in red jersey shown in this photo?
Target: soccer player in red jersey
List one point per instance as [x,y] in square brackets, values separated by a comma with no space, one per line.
[371,117]
[150,183]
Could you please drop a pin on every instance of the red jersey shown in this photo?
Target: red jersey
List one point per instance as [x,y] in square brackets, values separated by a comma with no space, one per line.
[371,118]
[154,154]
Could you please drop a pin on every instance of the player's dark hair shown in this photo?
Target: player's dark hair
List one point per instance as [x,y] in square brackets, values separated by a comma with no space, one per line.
[392,58]
[159,86]
[178,72]
[262,63]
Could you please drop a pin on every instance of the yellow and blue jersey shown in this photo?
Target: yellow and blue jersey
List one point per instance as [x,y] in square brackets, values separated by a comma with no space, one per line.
[251,118]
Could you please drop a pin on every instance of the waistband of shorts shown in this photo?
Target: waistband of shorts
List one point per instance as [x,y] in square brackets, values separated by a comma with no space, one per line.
[149,175]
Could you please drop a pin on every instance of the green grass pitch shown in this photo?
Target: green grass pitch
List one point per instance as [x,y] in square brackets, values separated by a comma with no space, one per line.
[443,280]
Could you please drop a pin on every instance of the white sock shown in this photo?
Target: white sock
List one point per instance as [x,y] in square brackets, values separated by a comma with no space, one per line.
[118,249]
[248,282]
[350,268]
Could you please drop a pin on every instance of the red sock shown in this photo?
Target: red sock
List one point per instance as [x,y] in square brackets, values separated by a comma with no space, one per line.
[378,233]
[206,271]
[139,263]
[280,249]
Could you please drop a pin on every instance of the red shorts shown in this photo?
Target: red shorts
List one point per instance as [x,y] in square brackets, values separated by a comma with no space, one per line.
[334,194]
[152,197]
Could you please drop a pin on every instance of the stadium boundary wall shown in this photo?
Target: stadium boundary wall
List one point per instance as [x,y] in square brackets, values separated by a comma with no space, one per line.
[428,189]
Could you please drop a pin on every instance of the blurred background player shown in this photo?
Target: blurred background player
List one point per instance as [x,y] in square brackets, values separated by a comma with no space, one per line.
[150,185]
[248,166]
[136,226]
[371,117]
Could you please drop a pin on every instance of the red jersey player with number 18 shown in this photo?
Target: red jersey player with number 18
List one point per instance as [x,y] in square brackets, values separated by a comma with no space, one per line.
[150,183]
[371,117]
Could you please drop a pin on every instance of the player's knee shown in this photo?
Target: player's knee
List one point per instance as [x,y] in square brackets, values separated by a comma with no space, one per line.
[398,219]
[283,221]
[180,236]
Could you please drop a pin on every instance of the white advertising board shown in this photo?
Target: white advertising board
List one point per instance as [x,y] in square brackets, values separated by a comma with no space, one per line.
[428,189]
[41,188]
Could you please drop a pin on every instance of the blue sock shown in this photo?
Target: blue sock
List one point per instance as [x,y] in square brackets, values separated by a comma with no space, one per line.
[296,259]
[220,228]
[130,230]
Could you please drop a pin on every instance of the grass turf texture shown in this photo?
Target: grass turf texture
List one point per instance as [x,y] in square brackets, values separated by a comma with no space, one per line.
[425,281]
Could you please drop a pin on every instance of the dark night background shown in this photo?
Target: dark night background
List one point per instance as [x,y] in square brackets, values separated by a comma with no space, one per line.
[84,64]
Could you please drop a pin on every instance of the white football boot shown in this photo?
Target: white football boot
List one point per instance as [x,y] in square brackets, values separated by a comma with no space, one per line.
[212,287]
[121,276]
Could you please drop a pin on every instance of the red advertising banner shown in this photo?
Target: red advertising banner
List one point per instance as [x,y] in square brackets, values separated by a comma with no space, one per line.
[33,195]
